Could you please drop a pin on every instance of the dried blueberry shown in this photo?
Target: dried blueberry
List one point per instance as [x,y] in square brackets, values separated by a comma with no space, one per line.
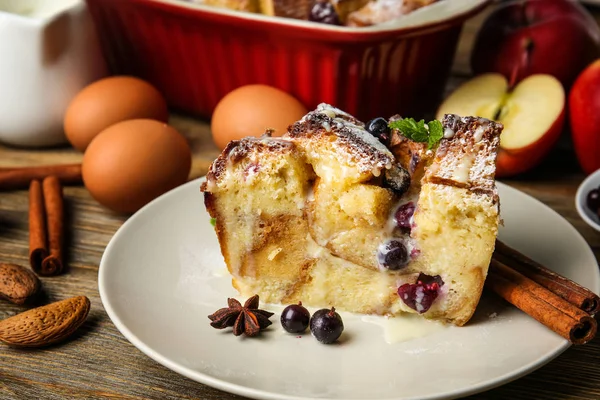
[403,216]
[392,255]
[323,11]
[379,128]
[420,295]
[397,179]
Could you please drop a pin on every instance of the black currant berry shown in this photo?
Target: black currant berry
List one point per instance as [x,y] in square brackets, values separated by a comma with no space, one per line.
[295,318]
[326,325]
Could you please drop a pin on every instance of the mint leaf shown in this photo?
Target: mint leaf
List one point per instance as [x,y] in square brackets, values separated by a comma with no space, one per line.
[436,132]
[431,133]
[213,221]
[421,134]
[411,129]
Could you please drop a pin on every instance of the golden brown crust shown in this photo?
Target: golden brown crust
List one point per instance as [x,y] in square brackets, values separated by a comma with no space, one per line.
[479,277]
[461,312]
[209,203]
[466,158]
[412,156]
[346,134]
[237,150]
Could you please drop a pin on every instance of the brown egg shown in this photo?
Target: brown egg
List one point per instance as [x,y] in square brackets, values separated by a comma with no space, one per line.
[250,110]
[108,101]
[132,162]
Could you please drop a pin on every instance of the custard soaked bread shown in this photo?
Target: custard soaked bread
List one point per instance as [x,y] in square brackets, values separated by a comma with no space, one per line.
[330,215]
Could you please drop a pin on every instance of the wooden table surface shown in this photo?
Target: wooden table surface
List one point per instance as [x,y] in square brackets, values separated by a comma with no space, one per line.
[99,363]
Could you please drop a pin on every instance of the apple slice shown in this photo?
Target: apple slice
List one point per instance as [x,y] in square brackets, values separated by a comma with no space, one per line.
[532,113]
[481,96]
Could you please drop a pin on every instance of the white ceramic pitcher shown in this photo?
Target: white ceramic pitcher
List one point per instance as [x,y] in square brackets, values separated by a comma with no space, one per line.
[48,52]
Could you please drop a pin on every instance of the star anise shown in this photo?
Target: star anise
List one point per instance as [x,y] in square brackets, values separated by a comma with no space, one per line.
[246,319]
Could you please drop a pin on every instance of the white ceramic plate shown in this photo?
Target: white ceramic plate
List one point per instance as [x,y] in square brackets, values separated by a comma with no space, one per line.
[162,274]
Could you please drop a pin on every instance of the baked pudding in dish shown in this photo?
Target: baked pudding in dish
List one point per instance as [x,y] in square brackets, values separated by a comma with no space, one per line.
[333,12]
[374,221]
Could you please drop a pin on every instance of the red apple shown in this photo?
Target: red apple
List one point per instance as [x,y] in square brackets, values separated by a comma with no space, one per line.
[533,115]
[522,38]
[584,113]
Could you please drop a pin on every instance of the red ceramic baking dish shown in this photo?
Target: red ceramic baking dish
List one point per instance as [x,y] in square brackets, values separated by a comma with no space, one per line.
[196,54]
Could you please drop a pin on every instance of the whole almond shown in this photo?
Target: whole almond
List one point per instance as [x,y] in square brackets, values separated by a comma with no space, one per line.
[17,284]
[45,325]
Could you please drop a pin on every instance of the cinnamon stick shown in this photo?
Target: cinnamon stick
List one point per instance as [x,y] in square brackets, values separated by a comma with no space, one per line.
[53,202]
[540,303]
[567,289]
[19,178]
[37,226]
[46,226]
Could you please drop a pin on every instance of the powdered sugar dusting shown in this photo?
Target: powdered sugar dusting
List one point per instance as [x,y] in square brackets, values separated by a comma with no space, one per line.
[238,149]
[467,158]
[366,151]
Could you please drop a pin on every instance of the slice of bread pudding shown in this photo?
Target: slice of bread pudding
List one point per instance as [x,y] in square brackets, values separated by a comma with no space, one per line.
[330,216]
